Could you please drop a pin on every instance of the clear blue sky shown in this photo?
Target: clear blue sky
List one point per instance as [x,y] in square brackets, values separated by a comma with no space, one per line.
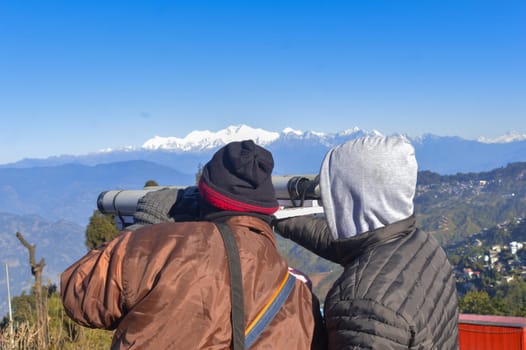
[79,76]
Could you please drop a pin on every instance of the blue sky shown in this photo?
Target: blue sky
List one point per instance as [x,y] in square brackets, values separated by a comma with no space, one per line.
[79,76]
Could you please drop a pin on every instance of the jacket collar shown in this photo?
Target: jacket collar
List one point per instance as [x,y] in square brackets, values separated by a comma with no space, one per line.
[257,223]
[350,248]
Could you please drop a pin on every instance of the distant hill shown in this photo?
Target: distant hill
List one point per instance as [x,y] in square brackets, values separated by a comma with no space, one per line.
[451,155]
[70,191]
[459,205]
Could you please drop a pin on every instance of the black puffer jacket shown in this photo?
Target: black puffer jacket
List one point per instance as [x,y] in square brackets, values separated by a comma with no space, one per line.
[397,290]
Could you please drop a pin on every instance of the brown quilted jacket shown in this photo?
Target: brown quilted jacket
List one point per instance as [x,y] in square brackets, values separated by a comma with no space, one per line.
[166,286]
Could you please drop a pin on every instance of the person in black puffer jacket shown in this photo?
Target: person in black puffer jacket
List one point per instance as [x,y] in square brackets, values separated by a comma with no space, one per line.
[397,289]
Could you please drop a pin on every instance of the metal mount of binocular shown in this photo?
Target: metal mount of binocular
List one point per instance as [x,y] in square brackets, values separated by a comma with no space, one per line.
[296,194]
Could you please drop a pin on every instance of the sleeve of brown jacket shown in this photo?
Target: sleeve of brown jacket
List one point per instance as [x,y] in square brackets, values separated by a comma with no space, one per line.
[94,283]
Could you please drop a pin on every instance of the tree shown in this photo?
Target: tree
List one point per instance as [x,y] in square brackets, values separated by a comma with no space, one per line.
[100,229]
[151,183]
[23,310]
[512,298]
[40,300]
[475,302]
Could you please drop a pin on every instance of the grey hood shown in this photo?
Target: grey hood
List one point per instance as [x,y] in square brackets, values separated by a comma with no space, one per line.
[368,183]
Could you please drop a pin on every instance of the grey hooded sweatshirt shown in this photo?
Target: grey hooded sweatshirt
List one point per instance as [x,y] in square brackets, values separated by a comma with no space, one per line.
[397,289]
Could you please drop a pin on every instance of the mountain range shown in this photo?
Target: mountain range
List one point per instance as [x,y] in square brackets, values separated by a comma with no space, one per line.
[50,200]
[66,187]
[299,151]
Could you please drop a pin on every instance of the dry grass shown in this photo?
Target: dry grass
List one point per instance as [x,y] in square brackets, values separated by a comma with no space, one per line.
[25,337]
[63,334]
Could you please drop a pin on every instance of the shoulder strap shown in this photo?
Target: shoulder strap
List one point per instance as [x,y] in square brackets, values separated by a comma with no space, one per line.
[236,286]
[241,338]
[267,314]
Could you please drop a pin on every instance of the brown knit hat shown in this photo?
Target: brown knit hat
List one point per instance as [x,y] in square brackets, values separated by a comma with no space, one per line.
[239,178]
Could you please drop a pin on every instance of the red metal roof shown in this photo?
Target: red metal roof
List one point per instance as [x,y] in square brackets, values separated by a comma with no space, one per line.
[509,321]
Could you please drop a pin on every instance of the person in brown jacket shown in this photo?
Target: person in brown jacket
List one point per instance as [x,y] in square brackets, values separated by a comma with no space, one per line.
[167,285]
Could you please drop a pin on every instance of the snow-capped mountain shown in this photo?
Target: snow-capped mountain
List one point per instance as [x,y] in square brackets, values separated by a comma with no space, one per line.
[204,140]
[508,137]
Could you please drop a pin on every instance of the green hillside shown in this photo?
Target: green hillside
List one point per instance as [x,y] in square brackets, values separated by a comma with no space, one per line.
[452,208]
[456,206]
